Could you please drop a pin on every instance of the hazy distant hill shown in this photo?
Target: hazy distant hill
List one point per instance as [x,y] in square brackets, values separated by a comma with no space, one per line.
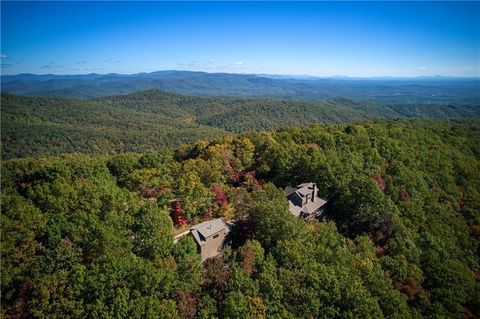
[154,118]
[415,90]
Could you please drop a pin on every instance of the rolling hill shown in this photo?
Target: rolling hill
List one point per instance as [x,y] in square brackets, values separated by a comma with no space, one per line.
[413,90]
[153,118]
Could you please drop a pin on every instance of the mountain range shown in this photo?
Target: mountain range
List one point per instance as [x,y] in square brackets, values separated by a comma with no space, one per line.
[398,90]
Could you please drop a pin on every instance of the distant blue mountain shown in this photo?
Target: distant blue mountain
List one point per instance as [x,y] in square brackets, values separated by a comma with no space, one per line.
[396,90]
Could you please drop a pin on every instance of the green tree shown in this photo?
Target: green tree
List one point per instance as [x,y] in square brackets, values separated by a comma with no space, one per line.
[152,232]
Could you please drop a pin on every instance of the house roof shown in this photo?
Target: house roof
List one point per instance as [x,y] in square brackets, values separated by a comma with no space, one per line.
[305,188]
[206,229]
[302,190]
[289,190]
[309,184]
[294,209]
[313,206]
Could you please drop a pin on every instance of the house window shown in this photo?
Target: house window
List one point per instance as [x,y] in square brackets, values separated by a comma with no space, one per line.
[215,236]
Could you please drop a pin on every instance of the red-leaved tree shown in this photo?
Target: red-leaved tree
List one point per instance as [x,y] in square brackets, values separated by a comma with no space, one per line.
[380,181]
[208,214]
[219,195]
[176,212]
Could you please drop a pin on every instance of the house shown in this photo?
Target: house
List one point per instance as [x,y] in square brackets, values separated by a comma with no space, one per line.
[210,237]
[304,202]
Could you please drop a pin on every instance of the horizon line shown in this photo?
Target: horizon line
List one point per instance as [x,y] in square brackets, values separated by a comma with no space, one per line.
[335,76]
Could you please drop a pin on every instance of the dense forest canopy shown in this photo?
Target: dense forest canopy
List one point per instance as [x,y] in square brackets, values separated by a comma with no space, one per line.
[87,236]
[152,119]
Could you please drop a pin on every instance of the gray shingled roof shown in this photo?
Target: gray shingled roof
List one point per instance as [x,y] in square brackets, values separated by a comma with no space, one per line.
[309,184]
[313,206]
[206,229]
[289,190]
[305,188]
[304,191]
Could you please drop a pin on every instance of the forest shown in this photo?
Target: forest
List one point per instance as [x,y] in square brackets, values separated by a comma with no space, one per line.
[90,236]
[152,119]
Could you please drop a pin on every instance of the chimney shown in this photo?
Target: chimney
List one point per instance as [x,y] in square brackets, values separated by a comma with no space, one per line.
[315,190]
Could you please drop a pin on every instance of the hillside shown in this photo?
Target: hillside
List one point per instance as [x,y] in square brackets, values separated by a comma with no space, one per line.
[87,237]
[152,119]
[413,90]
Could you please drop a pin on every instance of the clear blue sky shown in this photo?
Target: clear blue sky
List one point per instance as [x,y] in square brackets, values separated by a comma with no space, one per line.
[316,38]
